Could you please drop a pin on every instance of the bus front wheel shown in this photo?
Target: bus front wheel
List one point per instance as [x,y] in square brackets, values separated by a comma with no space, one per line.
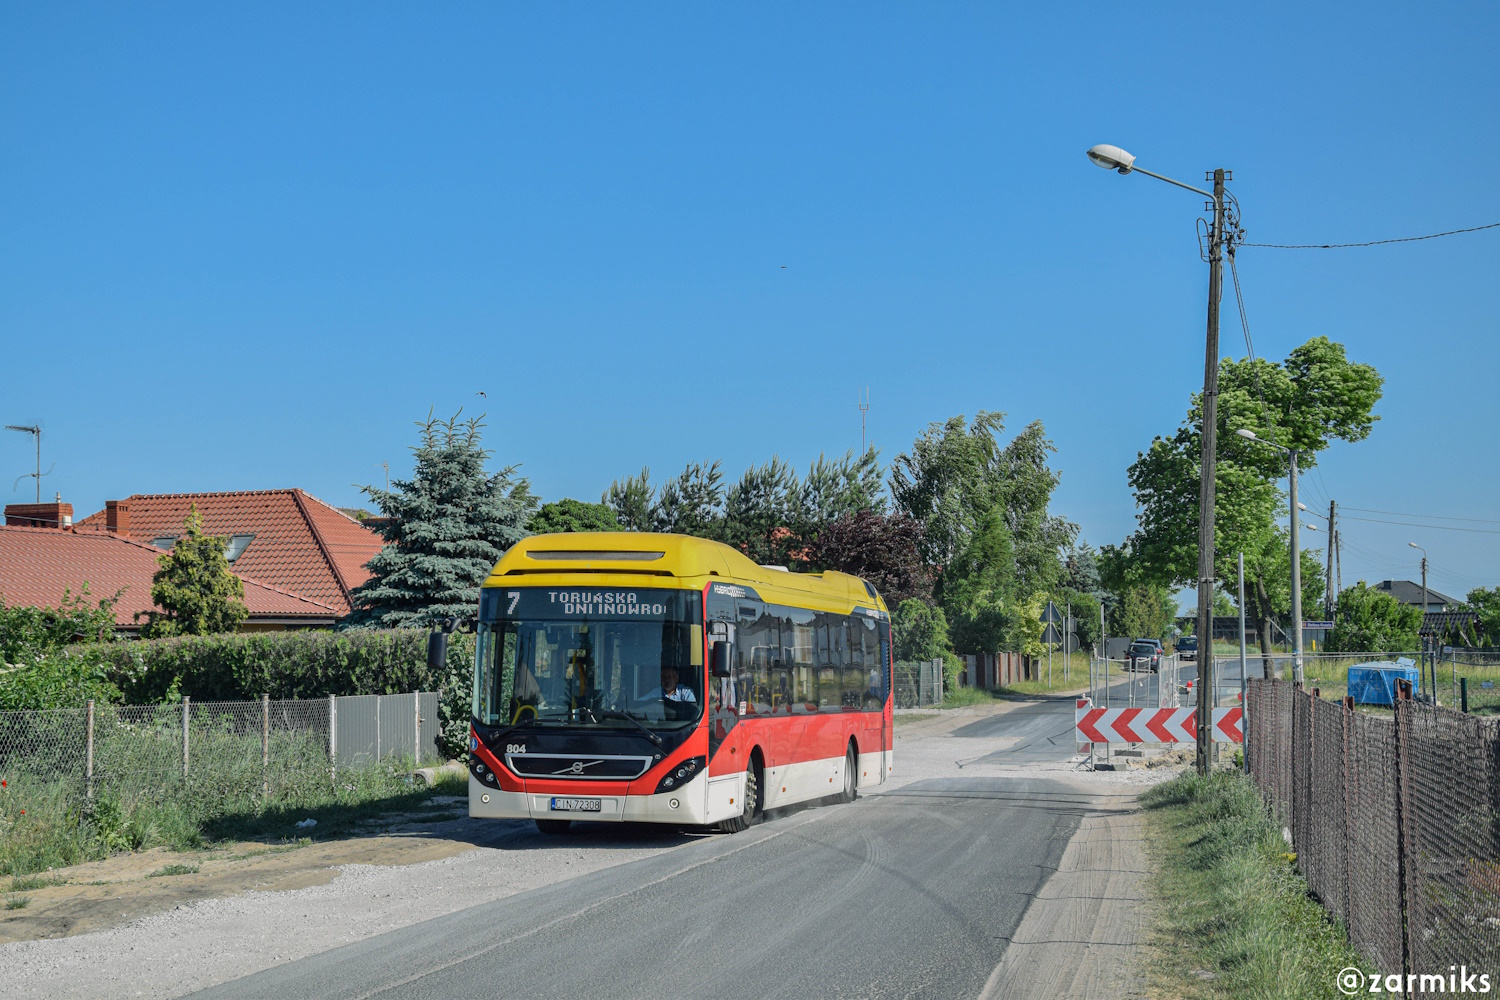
[751,812]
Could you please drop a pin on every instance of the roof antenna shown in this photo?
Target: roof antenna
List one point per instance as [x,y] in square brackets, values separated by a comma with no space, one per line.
[864,408]
[35,431]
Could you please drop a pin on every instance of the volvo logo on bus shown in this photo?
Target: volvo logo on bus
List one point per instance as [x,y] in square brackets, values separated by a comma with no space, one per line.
[577,767]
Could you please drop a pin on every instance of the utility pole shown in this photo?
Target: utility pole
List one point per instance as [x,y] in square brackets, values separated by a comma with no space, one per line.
[35,431]
[1206,482]
[1330,596]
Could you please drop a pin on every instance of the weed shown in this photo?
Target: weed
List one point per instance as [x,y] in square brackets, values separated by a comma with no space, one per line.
[22,883]
[1233,905]
[174,870]
[17,902]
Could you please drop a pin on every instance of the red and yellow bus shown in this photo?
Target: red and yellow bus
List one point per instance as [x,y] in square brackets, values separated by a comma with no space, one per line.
[624,676]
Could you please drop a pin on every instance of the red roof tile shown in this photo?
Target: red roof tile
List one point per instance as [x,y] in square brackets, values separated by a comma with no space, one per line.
[302,545]
[38,565]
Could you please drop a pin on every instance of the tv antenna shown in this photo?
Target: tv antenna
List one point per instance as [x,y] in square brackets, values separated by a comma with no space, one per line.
[864,408]
[35,431]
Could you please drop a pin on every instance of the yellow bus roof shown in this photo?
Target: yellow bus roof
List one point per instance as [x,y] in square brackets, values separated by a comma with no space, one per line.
[645,559]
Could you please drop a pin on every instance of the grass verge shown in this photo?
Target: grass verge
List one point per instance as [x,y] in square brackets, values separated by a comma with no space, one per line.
[51,824]
[1235,919]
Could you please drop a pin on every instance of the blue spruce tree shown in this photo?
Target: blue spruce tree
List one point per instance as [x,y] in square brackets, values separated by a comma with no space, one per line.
[445,528]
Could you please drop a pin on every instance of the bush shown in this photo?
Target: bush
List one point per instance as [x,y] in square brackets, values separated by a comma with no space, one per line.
[244,665]
[60,680]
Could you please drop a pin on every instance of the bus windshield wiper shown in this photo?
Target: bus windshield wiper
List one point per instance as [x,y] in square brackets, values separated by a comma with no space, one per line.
[610,713]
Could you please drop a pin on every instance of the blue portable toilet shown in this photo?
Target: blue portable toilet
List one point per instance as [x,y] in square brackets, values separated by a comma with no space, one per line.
[1375,683]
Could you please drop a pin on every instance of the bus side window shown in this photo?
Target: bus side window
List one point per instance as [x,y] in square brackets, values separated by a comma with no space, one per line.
[753,654]
[885,660]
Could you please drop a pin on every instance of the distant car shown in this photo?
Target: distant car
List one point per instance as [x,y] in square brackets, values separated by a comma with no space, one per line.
[1147,651]
[1187,647]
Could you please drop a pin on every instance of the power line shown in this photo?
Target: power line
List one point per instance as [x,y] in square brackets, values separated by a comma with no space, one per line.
[1434,527]
[1431,517]
[1371,243]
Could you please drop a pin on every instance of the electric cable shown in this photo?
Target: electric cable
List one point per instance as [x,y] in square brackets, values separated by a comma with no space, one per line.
[1370,243]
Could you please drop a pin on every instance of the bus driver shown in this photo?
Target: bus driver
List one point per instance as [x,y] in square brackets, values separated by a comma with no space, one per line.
[670,689]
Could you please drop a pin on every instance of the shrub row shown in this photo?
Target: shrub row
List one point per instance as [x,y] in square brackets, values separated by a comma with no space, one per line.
[244,665]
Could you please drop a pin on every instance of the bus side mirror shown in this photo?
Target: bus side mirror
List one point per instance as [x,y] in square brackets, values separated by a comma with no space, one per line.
[719,665]
[437,652]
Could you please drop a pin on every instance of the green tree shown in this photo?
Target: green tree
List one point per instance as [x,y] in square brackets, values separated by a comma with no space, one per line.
[1485,602]
[197,592]
[1314,397]
[447,527]
[1144,612]
[919,631]
[761,514]
[693,503]
[1371,621]
[984,507]
[568,514]
[632,499]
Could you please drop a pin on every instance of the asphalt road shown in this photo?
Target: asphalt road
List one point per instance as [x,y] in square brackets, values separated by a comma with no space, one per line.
[911,893]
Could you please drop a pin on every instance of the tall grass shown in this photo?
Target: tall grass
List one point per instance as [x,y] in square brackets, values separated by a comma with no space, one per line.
[52,817]
[1232,902]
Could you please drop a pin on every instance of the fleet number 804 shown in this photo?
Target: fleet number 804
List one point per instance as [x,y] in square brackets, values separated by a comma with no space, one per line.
[515,748]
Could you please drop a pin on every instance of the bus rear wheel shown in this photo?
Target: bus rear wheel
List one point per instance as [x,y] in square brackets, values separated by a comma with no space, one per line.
[751,813]
[851,775]
[553,826]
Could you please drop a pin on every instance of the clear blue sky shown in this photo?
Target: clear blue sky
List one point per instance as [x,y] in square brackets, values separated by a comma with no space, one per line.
[246,247]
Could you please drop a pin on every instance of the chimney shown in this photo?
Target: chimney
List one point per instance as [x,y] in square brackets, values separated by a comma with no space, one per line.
[40,515]
[117,517]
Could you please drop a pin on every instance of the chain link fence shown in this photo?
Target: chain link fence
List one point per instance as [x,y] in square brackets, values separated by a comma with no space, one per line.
[1395,820]
[272,747]
[918,683]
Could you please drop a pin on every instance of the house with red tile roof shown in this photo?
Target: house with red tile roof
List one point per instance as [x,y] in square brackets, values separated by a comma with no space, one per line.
[285,538]
[298,557]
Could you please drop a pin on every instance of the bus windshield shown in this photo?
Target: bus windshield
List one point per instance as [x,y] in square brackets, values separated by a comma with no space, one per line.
[592,663]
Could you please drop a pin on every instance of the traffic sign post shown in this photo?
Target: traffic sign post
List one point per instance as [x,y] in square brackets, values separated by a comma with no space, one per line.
[1050,636]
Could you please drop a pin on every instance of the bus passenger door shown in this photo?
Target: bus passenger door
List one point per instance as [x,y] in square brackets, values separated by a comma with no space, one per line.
[723,702]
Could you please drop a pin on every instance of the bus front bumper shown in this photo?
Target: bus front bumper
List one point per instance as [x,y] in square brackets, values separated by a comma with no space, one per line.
[686,805]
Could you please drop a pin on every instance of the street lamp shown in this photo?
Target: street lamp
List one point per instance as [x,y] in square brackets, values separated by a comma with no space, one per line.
[1115,158]
[1249,435]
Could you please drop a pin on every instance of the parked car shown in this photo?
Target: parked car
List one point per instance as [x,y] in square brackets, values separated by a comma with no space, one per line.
[1187,647]
[1145,651]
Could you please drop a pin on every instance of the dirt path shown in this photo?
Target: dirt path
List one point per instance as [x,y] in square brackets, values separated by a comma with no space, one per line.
[103,894]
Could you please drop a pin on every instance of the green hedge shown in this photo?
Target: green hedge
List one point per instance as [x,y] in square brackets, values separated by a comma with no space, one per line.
[239,666]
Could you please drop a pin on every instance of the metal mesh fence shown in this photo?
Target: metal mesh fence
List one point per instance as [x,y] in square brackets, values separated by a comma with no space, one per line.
[1395,820]
[918,683]
[228,748]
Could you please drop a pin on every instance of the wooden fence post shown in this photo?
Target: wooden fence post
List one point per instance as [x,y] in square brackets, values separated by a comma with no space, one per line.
[187,704]
[1403,707]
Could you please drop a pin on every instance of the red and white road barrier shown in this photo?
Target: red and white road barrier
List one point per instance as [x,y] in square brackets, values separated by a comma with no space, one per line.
[1153,725]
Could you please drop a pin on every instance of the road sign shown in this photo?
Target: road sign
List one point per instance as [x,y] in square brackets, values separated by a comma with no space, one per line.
[1052,635]
[1317,625]
[1152,725]
[1051,614]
